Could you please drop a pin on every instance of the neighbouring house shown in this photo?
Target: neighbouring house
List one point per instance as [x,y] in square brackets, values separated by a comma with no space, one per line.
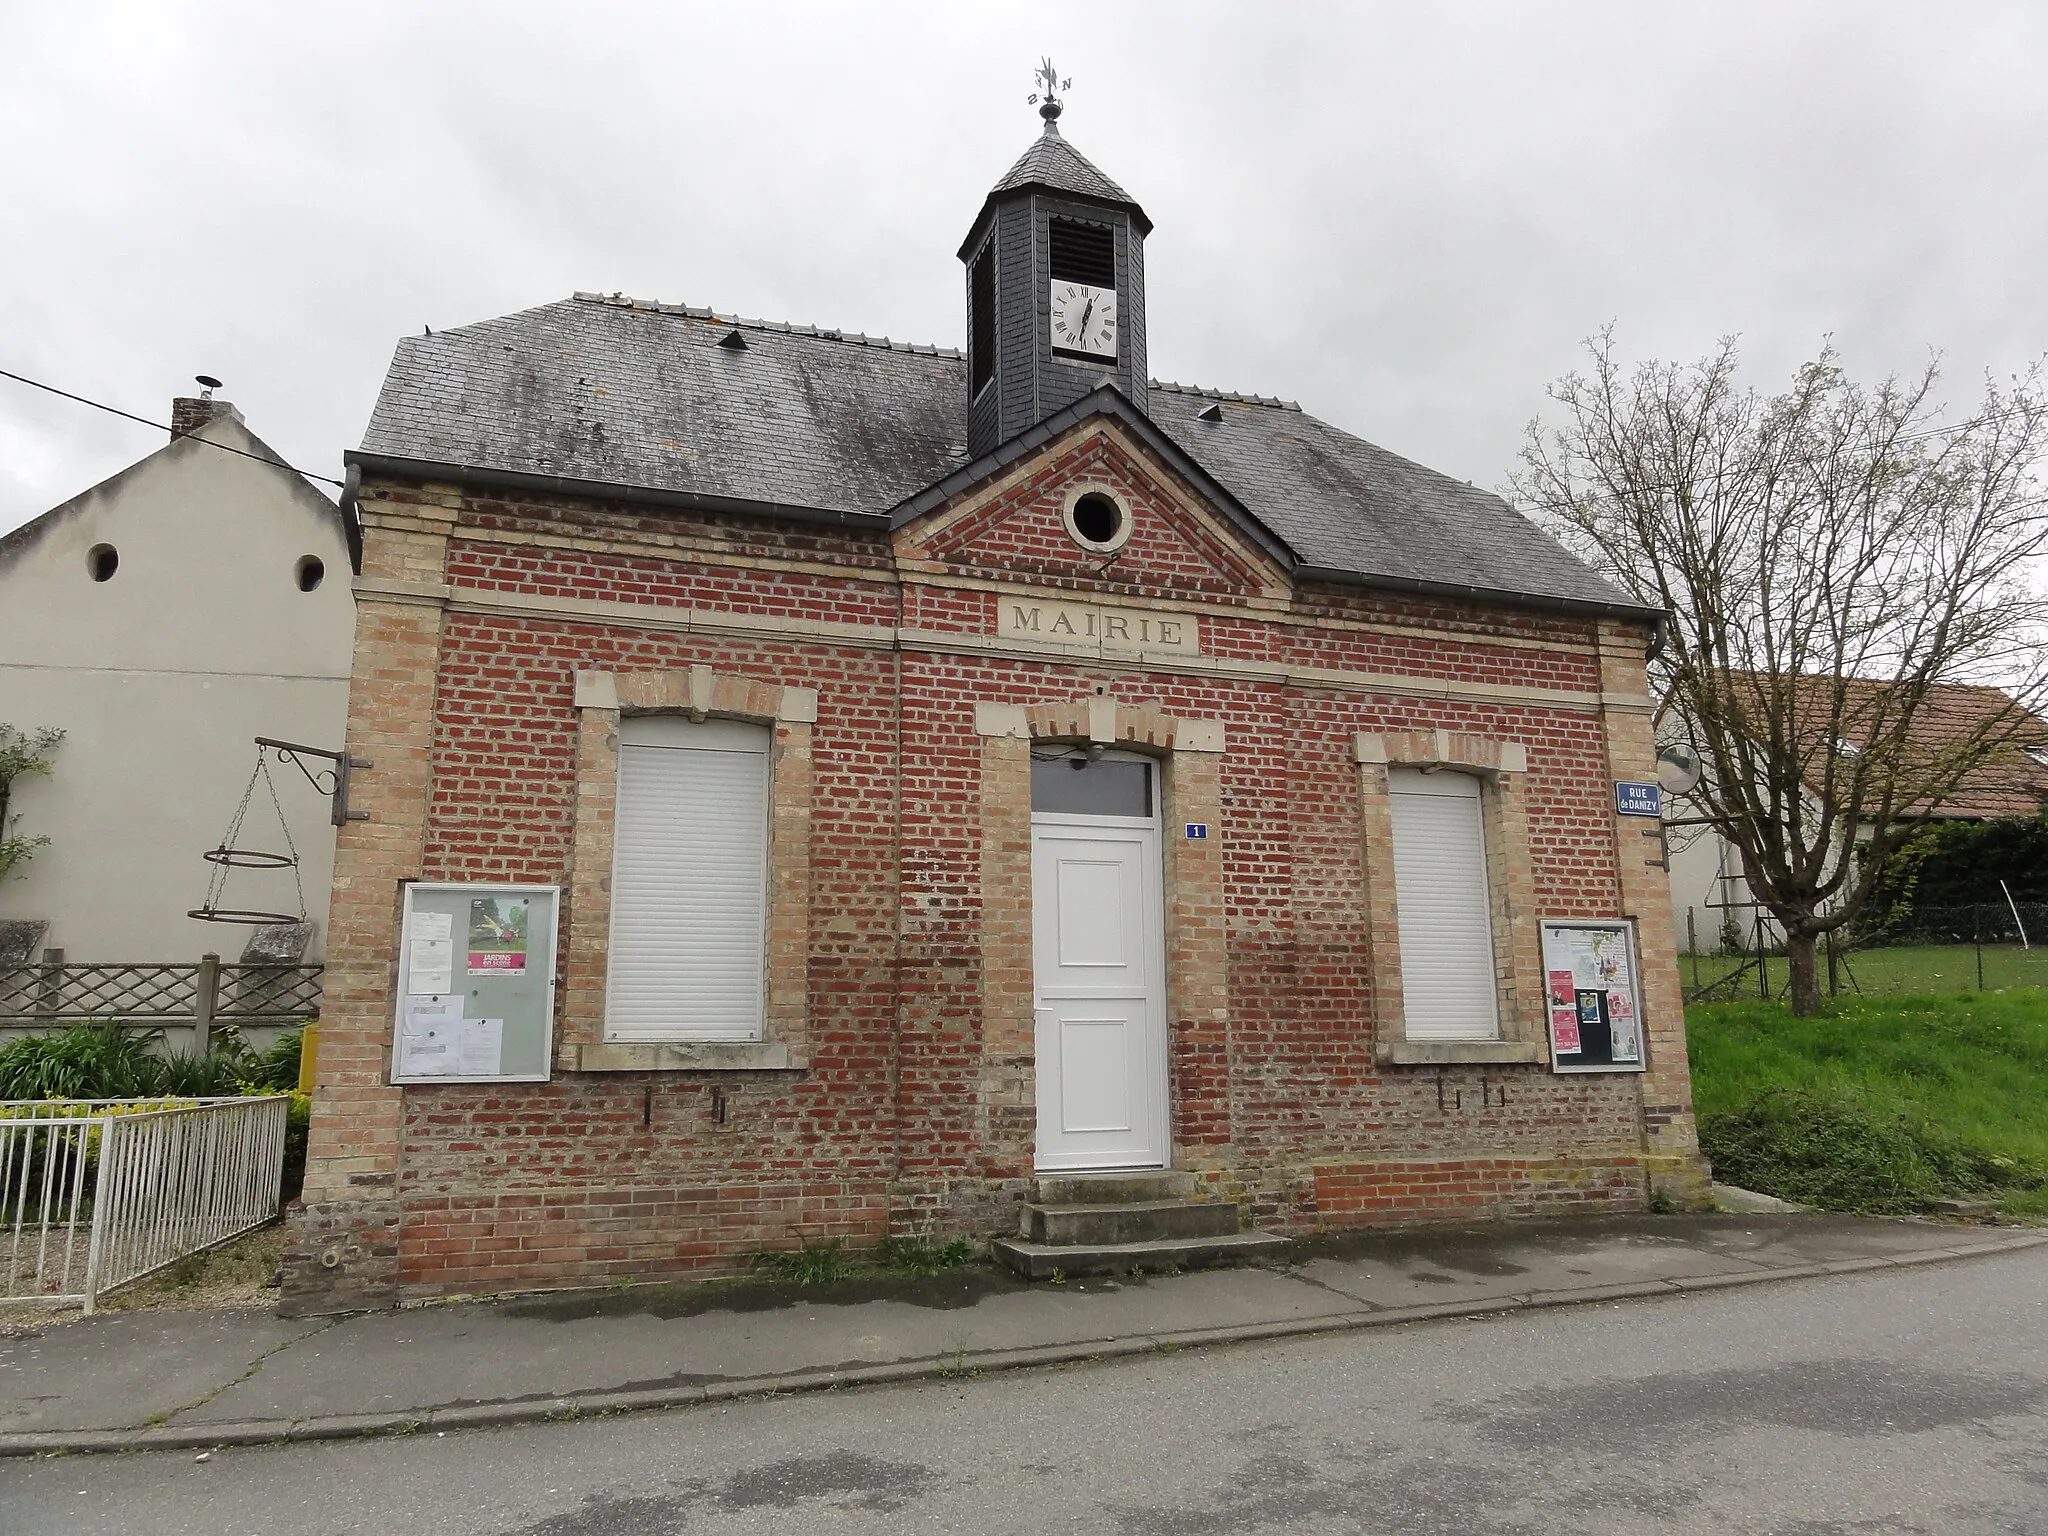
[829,787]
[1708,887]
[163,620]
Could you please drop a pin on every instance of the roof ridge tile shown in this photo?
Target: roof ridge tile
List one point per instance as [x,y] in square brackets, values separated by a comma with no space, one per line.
[1273,402]
[775,327]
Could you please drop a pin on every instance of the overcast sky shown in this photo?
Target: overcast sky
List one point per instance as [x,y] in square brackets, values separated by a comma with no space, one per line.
[1403,216]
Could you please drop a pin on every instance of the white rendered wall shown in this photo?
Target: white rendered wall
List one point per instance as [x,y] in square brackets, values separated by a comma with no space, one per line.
[160,678]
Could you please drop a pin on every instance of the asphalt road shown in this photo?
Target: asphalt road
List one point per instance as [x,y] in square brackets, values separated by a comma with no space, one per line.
[1909,1401]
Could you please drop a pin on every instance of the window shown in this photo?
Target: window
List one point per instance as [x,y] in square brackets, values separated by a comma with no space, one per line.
[1082,253]
[101,561]
[1096,520]
[981,320]
[1068,781]
[689,881]
[1444,906]
[309,572]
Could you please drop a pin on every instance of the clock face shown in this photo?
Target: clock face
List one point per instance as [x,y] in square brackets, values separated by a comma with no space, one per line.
[1084,320]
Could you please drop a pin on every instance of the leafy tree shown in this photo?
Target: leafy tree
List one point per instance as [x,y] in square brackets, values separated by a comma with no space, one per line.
[21,753]
[1959,864]
[1833,559]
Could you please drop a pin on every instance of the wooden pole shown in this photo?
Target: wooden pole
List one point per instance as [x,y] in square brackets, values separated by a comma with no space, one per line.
[206,999]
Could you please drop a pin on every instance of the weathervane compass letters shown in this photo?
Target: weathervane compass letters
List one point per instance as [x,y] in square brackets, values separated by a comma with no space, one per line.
[1050,86]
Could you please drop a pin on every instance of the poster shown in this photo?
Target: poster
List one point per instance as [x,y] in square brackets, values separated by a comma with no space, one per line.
[430,965]
[1564,1013]
[1591,996]
[497,936]
[480,1047]
[1621,1021]
[429,1037]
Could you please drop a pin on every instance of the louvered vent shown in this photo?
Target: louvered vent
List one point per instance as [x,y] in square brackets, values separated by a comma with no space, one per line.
[981,320]
[1083,253]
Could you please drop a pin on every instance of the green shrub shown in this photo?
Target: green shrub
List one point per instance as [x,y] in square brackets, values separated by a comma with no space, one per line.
[104,1061]
[812,1264]
[1832,1148]
[86,1061]
[1733,942]
[298,1122]
[278,1067]
[919,1256]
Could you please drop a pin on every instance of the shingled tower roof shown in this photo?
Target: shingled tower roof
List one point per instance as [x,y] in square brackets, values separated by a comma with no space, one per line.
[1053,165]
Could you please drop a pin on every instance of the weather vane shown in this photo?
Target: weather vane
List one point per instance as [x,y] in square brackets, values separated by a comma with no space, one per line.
[1052,84]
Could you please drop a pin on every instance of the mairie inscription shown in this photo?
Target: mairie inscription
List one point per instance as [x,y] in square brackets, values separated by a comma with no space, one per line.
[1100,627]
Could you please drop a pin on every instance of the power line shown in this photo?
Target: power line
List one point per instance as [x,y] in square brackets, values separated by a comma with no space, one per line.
[166,427]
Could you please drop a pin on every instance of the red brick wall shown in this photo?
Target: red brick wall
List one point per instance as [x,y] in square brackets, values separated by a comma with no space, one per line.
[598,1175]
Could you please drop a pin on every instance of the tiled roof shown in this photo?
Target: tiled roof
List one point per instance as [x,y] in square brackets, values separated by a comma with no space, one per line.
[618,392]
[1952,717]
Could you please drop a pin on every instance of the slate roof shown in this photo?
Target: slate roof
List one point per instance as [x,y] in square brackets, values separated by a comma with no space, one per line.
[1350,507]
[1054,164]
[625,393]
[641,399]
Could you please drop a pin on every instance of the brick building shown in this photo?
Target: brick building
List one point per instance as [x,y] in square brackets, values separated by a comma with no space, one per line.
[960,771]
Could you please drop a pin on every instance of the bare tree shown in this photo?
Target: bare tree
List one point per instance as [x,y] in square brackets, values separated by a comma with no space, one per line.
[1833,559]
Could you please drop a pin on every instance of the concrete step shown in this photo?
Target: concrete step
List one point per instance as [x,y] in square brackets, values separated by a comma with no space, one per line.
[1040,1261]
[1112,1188]
[1137,1222]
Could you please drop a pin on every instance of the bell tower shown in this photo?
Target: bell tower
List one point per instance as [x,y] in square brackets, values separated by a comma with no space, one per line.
[1055,287]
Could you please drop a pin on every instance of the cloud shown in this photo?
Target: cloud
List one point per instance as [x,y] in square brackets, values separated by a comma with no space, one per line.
[1403,216]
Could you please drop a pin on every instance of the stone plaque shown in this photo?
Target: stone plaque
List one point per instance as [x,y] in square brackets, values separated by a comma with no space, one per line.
[20,938]
[1103,628]
[278,944]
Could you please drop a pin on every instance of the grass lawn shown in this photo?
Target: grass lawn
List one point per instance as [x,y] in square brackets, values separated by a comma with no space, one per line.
[1881,1102]
[1908,968]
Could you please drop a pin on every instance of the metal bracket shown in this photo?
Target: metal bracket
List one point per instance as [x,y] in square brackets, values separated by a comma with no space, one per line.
[336,787]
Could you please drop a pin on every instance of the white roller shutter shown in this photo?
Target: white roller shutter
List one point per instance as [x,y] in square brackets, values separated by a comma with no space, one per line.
[689,881]
[1449,991]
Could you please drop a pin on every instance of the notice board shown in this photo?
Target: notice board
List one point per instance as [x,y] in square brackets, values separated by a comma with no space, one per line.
[1593,996]
[476,984]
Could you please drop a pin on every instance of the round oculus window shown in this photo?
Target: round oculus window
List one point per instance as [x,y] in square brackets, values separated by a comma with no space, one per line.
[101,561]
[309,572]
[1096,520]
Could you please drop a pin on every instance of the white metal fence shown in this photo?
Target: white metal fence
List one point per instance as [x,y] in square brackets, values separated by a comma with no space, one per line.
[96,1193]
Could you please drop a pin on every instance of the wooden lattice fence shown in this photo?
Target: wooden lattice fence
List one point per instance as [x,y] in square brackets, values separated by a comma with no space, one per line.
[53,993]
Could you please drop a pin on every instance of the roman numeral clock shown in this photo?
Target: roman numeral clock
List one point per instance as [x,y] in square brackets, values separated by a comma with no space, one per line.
[1084,321]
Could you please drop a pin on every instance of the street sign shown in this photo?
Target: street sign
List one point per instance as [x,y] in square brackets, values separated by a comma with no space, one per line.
[1638,799]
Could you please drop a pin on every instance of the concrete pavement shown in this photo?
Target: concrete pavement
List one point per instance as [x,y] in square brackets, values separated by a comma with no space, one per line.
[1898,1401]
[165,1379]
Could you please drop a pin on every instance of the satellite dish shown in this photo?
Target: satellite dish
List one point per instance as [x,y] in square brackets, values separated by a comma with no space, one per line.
[1679,769]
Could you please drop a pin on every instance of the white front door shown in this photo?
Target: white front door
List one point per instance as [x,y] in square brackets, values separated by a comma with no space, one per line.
[1101,993]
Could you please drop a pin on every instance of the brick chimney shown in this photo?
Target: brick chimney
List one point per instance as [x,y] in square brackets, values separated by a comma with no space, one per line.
[189,414]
